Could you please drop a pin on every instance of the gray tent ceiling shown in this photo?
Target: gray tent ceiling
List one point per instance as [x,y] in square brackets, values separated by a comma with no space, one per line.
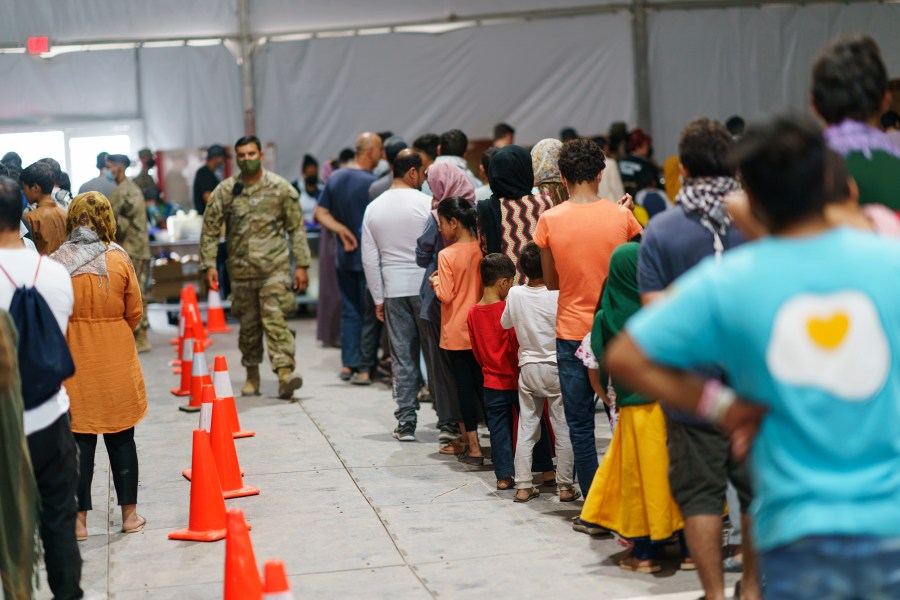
[104,20]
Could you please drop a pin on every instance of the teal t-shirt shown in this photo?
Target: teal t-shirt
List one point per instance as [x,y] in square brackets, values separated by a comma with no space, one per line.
[809,327]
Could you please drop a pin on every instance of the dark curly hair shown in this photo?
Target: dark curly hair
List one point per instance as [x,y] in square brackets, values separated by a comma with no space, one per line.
[849,79]
[581,160]
[703,148]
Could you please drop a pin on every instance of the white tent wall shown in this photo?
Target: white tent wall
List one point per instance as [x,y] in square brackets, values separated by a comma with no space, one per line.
[748,61]
[77,86]
[316,96]
[191,96]
[95,20]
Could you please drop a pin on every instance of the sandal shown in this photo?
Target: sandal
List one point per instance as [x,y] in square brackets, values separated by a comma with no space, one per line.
[573,495]
[466,458]
[630,563]
[506,483]
[688,564]
[532,493]
[454,448]
[136,529]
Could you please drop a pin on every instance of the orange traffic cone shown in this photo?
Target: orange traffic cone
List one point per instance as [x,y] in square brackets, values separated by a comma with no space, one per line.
[242,580]
[199,378]
[222,381]
[276,582]
[225,455]
[206,406]
[193,309]
[215,314]
[207,519]
[187,358]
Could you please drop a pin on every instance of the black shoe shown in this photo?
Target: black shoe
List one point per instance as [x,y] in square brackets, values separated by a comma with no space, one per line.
[448,433]
[405,432]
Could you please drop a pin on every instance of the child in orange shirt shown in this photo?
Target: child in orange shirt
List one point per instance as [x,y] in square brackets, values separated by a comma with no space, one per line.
[457,284]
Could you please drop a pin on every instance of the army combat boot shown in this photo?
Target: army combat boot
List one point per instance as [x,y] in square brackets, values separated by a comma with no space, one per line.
[251,387]
[141,342]
[287,383]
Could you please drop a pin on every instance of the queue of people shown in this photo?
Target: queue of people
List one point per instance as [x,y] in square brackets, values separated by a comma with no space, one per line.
[730,335]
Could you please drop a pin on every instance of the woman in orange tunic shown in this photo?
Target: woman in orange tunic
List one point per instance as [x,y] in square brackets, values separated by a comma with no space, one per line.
[107,392]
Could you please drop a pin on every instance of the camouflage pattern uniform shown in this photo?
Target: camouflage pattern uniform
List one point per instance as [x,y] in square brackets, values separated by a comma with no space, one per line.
[256,221]
[128,205]
[145,182]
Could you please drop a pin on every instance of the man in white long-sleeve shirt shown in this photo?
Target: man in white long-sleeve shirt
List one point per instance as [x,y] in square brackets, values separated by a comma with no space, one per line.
[392,223]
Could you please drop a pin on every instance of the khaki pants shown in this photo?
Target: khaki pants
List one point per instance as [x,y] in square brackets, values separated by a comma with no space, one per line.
[261,305]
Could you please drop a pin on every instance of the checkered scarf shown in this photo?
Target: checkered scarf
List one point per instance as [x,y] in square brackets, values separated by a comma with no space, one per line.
[704,197]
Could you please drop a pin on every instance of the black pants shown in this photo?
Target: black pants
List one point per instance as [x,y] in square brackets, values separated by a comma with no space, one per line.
[122,458]
[469,385]
[55,465]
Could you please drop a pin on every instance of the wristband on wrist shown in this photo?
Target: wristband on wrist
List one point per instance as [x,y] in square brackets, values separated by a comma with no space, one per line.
[715,401]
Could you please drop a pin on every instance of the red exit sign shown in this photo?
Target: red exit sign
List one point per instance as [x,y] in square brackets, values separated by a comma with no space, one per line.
[38,45]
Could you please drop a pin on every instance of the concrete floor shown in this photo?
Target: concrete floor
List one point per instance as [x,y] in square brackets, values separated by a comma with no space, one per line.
[352,512]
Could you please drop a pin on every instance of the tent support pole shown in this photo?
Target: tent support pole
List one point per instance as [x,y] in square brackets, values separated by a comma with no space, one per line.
[246,43]
[641,54]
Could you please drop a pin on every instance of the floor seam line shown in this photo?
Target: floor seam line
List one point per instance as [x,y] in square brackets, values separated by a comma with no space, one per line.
[369,502]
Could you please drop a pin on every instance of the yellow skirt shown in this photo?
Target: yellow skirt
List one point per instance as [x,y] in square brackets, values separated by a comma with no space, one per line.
[630,493]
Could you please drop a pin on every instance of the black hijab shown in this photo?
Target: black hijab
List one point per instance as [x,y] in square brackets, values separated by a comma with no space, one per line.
[511,175]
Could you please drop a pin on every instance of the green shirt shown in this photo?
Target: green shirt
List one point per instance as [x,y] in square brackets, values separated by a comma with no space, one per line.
[878,177]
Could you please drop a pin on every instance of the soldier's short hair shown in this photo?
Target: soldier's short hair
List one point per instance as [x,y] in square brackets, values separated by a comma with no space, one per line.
[248,139]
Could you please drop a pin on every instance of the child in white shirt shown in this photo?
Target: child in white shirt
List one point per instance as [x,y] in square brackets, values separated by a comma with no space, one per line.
[531,311]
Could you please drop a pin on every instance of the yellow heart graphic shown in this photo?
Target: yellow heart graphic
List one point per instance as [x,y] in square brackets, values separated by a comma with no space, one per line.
[829,333]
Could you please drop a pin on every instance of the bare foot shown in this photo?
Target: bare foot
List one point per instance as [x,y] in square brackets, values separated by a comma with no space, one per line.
[131,520]
[81,531]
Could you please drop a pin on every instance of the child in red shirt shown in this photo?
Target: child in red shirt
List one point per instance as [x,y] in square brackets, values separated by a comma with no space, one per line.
[497,351]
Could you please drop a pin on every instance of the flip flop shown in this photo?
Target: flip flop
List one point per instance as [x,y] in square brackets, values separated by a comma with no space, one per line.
[136,529]
[467,459]
[575,496]
[509,482]
[532,493]
[630,563]
[81,538]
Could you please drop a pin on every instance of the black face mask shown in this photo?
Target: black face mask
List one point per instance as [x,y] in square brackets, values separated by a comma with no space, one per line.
[311,180]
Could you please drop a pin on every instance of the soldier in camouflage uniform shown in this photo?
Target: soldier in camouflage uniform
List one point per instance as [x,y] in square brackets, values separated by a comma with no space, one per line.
[143,180]
[128,205]
[257,208]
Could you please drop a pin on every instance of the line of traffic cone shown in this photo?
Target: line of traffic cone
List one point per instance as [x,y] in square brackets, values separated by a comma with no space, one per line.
[222,383]
[179,346]
[242,581]
[275,585]
[215,312]
[208,396]
[207,514]
[187,358]
[199,378]
[192,308]
[224,453]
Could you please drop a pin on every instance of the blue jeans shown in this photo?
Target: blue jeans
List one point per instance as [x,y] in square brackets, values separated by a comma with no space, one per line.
[833,567]
[578,401]
[497,405]
[353,309]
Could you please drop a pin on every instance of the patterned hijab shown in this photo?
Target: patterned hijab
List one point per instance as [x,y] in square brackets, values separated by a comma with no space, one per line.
[446,179]
[92,210]
[545,161]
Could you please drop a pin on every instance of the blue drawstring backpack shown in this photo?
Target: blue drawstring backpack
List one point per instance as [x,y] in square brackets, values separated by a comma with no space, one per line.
[44,358]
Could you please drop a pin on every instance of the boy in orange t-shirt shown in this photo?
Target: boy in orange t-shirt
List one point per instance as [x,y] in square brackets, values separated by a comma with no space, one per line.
[577,239]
